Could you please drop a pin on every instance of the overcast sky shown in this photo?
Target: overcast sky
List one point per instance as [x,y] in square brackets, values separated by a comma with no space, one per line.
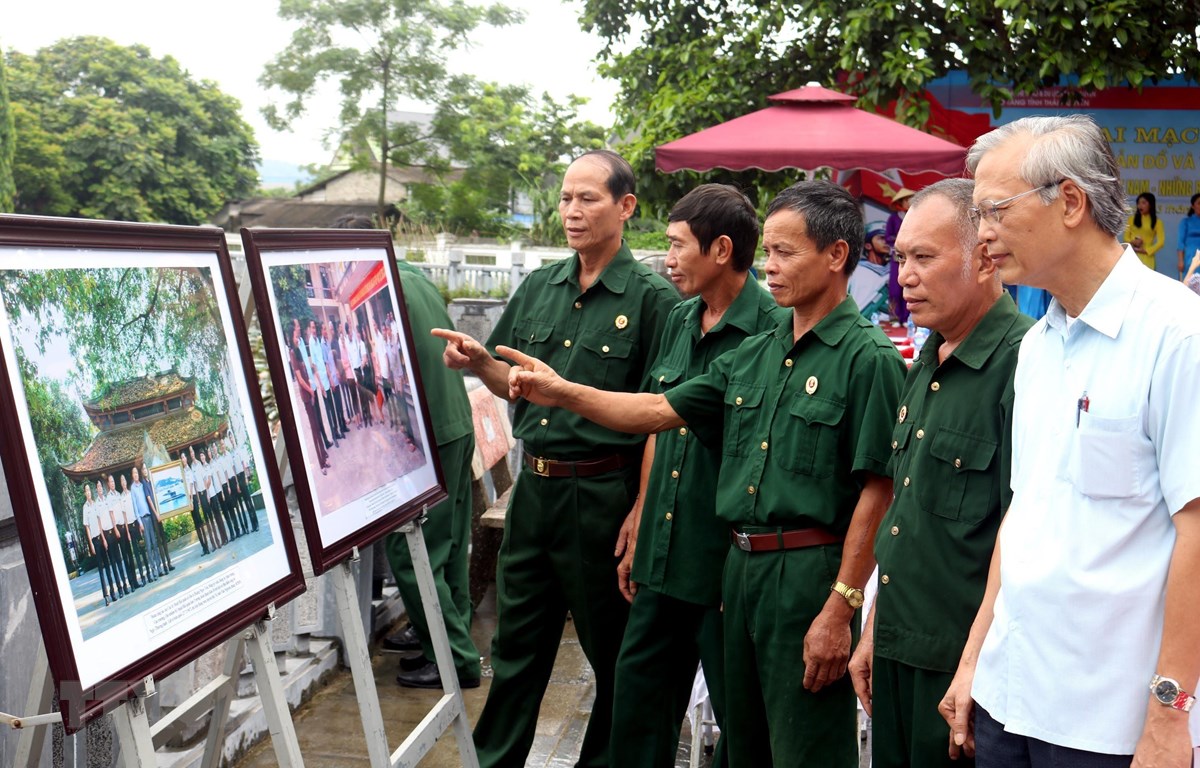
[229,41]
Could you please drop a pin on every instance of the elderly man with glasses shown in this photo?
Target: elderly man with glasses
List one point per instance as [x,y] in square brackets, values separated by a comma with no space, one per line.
[1086,648]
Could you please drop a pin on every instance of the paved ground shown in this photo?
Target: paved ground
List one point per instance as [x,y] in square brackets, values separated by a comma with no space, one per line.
[331,734]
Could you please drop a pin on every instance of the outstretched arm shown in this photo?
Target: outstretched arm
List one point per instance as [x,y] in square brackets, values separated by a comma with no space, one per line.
[637,413]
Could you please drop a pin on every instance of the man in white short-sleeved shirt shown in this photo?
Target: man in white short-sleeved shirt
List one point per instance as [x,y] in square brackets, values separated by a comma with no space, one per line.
[1086,650]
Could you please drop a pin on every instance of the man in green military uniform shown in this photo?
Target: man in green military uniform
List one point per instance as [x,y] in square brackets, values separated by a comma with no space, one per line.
[447,530]
[598,315]
[950,458]
[675,618]
[802,415]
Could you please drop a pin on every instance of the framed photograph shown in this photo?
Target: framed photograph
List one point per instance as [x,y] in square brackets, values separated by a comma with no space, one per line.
[149,509]
[340,351]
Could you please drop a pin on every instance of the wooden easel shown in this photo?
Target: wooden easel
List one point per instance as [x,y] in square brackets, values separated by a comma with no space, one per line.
[135,735]
[449,711]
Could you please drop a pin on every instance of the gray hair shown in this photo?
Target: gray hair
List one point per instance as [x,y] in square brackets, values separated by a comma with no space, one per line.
[1064,147]
[958,192]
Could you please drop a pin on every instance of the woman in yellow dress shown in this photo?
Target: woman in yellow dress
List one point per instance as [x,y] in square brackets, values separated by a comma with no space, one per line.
[1145,231]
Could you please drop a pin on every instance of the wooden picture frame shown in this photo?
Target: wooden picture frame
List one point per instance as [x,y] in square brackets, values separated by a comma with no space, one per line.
[384,469]
[108,330]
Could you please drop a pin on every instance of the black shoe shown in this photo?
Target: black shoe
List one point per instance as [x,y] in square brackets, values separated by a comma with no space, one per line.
[404,640]
[428,677]
[412,663]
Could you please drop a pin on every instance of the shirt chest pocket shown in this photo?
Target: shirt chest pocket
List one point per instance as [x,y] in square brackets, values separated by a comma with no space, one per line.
[666,376]
[808,443]
[533,336]
[1109,458]
[607,360]
[957,484]
[743,417]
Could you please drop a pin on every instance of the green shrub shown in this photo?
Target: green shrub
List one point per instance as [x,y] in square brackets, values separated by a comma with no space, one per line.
[178,526]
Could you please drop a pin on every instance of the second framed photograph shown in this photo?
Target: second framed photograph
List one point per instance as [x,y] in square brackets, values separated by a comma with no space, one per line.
[353,411]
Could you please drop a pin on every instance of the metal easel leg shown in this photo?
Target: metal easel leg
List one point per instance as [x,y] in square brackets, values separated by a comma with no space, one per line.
[452,702]
[359,659]
[270,690]
[132,729]
[214,744]
[41,694]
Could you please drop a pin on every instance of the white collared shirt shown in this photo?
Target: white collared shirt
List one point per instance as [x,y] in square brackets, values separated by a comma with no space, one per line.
[1088,538]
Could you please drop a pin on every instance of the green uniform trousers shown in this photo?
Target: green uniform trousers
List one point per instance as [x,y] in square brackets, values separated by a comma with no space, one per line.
[447,534]
[771,599]
[556,556]
[906,729]
[664,640]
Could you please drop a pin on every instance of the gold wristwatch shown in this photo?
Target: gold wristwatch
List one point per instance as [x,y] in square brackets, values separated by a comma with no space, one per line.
[853,596]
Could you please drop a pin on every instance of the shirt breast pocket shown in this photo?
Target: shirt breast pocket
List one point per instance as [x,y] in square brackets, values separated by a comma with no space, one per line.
[958,485]
[1105,462]
[809,444]
[532,336]
[608,359]
[743,413]
[666,376]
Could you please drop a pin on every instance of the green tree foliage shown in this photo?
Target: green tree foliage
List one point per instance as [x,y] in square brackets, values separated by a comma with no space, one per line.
[377,51]
[696,63]
[8,144]
[491,142]
[109,131]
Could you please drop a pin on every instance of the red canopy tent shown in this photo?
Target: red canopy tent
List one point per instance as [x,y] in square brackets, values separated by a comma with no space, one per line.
[811,127]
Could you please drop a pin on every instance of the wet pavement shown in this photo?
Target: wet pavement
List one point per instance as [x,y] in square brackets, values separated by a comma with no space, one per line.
[331,734]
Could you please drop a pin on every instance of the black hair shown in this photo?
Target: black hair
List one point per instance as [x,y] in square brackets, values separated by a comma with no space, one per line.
[830,214]
[353,221]
[1137,215]
[1192,203]
[712,210]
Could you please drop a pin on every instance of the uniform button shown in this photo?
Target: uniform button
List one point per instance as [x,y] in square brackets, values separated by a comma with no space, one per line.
[683,430]
[957,463]
[660,378]
[935,386]
[920,433]
[604,348]
[567,343]
[738,401]
[788,362]
[675,473]
[750,490]
[668,516]
[884,579]
[895,530]
[906,482]
[545,422]
[579,305]
[764,445]
[894,444]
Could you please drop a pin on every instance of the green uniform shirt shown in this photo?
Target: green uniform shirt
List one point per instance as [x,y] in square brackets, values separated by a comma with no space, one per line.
[604,337]
[445,393]
[951,451]
[681,543]
[797,420]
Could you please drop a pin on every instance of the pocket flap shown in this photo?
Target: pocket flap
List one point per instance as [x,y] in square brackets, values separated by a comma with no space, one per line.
[606,346]
[740,394]
[817,410]
[963,452]
[667,376]
[900,436]
[535,331]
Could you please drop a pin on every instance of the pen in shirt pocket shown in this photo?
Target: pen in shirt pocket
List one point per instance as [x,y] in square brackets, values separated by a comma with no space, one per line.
[1081,407]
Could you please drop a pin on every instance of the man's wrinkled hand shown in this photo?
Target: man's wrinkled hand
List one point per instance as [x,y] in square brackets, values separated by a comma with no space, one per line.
[462,352]
[626,546]
[532,379]
[826,651]
[861,668]
[957,708]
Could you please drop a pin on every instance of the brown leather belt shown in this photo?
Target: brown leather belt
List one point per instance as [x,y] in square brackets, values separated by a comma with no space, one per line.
[586,468]
[780,540]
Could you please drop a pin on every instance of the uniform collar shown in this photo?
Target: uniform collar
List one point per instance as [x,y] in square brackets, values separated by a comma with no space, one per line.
[830,330]
[614,277]
[983,339]
[1108,307]
[742,313]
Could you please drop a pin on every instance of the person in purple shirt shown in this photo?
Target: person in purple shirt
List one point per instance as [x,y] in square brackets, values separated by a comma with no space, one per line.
[890,230]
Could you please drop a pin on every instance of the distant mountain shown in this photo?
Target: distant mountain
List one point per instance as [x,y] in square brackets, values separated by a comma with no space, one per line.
[282,173]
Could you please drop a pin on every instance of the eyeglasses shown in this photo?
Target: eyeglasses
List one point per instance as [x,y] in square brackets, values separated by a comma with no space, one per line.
[990,209]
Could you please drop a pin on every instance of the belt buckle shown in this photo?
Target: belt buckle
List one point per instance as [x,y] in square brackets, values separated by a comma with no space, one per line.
[742,540]
[541,466]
